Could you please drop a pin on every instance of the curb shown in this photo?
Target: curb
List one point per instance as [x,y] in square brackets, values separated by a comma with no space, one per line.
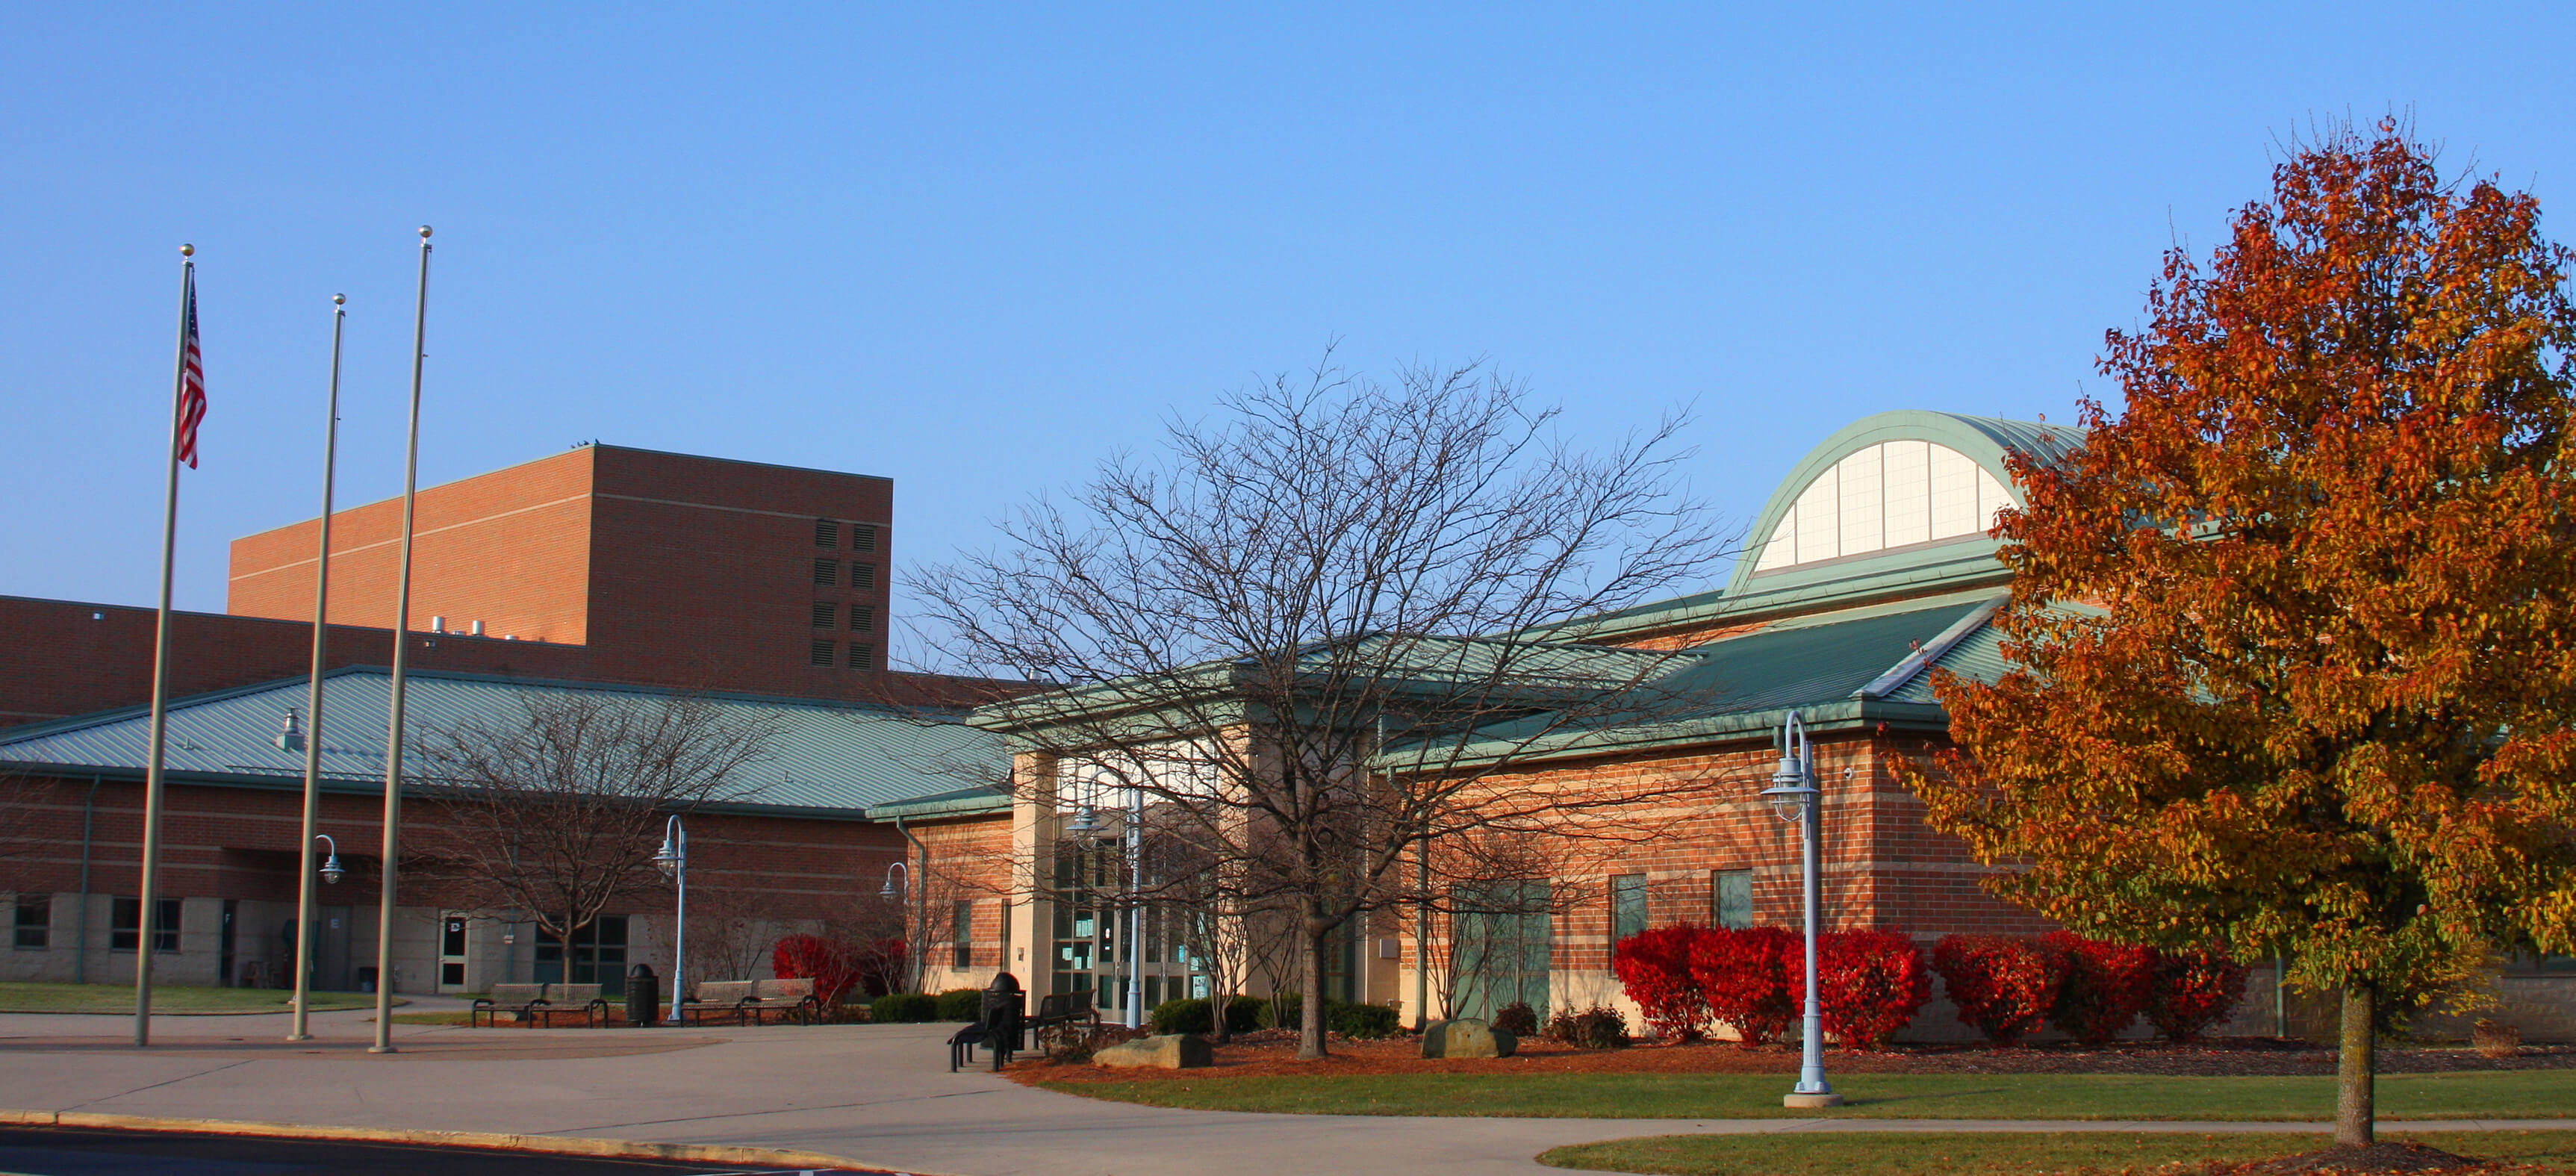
[550,1144]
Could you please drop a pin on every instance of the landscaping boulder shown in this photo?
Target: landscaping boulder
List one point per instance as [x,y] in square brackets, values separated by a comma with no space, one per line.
[1171,1051]
[1467,1037]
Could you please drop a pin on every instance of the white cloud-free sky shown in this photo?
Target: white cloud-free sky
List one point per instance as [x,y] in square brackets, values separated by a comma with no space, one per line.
[975,249]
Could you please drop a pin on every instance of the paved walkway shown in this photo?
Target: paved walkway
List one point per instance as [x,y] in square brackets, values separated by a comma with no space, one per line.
[880,1094]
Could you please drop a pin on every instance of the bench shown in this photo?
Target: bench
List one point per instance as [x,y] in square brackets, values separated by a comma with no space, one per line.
[538,1004]
[749,1000]
[1063,1015]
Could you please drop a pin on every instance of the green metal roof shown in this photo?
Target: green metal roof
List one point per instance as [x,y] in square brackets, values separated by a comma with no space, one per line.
[827,758]
[1818,666]
[963,802]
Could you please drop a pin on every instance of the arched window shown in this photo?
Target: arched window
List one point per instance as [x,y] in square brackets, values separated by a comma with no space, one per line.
[1887,495]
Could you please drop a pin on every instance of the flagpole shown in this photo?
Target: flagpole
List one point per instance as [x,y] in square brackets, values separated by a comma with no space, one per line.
[149,926]
[313,693]
[402,647]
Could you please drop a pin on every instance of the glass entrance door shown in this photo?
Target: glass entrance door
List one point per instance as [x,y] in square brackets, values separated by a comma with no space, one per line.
[451,952]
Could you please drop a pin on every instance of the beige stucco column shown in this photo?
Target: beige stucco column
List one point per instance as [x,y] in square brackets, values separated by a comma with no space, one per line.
[1034,824]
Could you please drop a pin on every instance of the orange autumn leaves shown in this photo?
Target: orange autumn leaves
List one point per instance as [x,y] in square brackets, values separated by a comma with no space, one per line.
[2319,693]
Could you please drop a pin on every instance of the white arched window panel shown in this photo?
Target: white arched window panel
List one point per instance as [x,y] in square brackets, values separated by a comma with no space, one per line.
[1888,495]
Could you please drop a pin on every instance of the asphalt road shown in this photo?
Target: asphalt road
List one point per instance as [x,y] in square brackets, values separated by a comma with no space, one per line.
[59,1151]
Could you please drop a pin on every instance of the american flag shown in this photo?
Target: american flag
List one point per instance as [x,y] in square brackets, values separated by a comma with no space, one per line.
[192,381]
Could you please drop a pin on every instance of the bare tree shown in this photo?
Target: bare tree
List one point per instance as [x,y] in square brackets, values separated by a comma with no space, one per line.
[1339,621]
[731,934]
[557,809]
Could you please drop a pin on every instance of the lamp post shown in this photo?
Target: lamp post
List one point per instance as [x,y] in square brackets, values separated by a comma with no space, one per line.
[331,874]
[897,889]
[673,861]
[1793,795]
[1136,909]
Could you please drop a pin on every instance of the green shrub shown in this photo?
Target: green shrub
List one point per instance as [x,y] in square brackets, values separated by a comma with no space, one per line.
[1360,1020]
[904,1006]
[961,1004]
[1287,1010]
[1190,1015]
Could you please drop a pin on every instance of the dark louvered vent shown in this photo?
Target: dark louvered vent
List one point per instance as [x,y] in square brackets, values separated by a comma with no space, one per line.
[863,537]
[863,617]
[863,657]
[863,575]
[827,533]
[827,571]
[824,611]
[822,653]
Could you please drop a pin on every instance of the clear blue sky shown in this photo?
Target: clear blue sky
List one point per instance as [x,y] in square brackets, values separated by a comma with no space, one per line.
[975,249]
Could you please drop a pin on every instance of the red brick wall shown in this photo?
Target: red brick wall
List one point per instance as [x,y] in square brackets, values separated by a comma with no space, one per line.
[60,658]
[510,548]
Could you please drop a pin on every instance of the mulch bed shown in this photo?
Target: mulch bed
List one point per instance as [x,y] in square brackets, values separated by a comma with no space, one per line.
[1274,1052]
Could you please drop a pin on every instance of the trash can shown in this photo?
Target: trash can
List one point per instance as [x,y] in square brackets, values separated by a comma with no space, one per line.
[1005,1010]
[643,997]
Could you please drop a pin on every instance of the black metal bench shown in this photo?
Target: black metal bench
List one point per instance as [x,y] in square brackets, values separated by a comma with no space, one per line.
[747,1000]
[538,1004]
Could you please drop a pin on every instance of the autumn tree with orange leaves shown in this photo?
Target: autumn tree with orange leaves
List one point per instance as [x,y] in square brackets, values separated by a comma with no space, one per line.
[2296,627]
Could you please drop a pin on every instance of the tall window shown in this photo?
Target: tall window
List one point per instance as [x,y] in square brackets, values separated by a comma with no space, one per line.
[962,934]
[1730,898]
[1627,906]
[1505,940]
[125,924]
[35,921]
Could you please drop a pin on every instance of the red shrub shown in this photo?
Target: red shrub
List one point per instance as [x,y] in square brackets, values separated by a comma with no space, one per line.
[833,966]
[2192,991]
[2105,987]
[1744,976]
[1654,966]
[1869,984]
[2004,985]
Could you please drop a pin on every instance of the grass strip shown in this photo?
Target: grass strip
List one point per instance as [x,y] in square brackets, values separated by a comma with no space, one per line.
[2517,1094]
[1906,1153]
[32,997]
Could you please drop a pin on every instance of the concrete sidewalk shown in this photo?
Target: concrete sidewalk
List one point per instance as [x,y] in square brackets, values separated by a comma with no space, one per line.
[880,1095]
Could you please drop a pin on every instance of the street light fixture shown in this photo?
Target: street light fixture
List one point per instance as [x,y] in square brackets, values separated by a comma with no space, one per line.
[1793,796]
[673,862]
[892,888]
[331,871]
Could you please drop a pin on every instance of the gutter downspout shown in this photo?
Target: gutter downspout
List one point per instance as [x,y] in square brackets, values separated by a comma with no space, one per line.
[920,904]
[80,937]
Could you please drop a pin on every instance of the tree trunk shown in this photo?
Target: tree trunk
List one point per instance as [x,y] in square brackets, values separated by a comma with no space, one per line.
[1218,998]
[1310,1020]
[2355,1068]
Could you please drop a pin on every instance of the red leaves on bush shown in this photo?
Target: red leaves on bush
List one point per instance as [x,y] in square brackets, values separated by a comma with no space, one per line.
[2004,985]
[1654,967]
[832,965]
[1743,974]
[1869,984]
[2193,990]
[2105,987]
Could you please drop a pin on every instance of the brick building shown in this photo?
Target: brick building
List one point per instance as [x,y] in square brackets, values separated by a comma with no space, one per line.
[1871,567]
[795,849]
[602,564]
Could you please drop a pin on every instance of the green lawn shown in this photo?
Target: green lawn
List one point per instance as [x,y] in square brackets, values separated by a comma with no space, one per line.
[1836,1153]
[2518,1094]
[166,998]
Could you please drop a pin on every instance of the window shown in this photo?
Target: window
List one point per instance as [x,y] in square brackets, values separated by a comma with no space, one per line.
[1730,898]
[962,933]
[863,618]
[827,533]
[125,924]
[863,537]
[1892,494]
[827,571]
[35,920]
[826,614]
[822,653]
[863,575]
[1627,905]
[863,656]
[598,956]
